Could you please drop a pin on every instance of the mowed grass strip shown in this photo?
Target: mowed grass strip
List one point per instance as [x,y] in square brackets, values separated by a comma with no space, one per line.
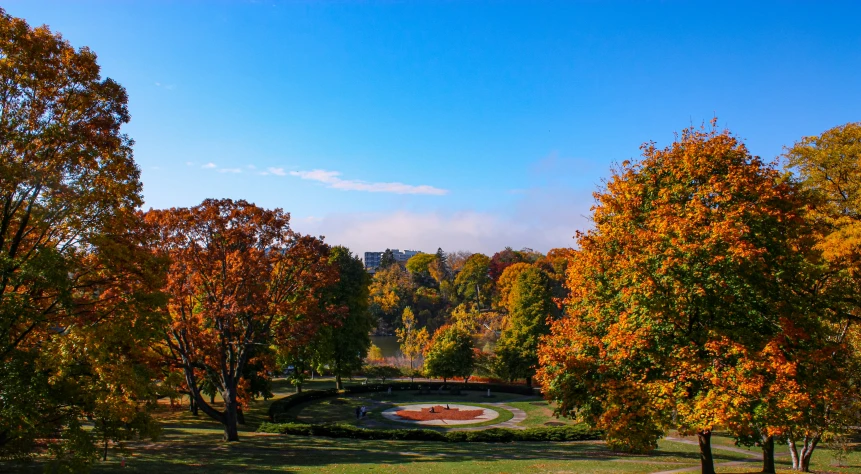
[184,452]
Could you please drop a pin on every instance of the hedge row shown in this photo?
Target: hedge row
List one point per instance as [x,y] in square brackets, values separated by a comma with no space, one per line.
[492,435]
[281,406]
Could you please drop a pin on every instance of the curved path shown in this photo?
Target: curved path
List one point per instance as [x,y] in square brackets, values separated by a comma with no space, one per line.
[519,415]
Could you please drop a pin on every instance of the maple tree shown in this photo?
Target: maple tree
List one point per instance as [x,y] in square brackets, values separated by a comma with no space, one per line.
[694,253]
[78,287]
[502,260]
[239,277]
[828,167]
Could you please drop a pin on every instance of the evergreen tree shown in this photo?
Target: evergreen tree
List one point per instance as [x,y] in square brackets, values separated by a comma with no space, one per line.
[388,259]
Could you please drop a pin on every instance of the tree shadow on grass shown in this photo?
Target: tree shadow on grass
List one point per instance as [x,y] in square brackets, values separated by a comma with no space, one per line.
[270,453]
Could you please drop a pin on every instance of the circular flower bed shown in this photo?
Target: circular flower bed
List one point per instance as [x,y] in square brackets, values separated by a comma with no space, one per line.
[436,414]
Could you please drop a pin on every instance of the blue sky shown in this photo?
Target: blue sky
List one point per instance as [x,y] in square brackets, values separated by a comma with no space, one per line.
[461,125]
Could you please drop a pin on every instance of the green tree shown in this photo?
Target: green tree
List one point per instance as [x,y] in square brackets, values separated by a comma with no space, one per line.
[78,284]
[388,259]
[473,283]
[450,354]
[530,306]
[346,342]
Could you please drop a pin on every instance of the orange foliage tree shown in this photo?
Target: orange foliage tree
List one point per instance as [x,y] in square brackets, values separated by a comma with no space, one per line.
[78,285]
[239,278]
[690,266]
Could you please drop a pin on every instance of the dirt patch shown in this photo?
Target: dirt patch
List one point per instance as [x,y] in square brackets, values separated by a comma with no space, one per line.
[439,412]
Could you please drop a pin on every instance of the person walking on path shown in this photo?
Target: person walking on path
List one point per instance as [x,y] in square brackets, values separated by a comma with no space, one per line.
[358,412]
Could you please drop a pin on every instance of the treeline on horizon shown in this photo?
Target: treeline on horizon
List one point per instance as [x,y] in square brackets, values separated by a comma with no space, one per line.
[716,291]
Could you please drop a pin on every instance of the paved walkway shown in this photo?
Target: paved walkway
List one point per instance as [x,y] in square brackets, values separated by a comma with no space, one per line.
[487,414]
[519,415]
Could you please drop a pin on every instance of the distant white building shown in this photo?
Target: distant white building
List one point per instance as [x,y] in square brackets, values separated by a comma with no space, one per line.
[372,259]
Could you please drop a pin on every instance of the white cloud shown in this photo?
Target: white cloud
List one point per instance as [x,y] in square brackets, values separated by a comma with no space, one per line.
[332,178]
[169,87]
[277,171]
[251,167]
[209,165]
[482,232]
[230,170]
[189,163]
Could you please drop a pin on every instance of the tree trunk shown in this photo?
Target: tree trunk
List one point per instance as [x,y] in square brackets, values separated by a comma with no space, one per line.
[706,460]
[529,382]
[105,434]
[338,384]
[768,455]
[298,388]
[807,452]
[231,430]
[192,405]
[212,399]
[793,451]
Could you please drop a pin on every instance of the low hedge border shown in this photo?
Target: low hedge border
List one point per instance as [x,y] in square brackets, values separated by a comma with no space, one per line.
[280,407]
[492,435]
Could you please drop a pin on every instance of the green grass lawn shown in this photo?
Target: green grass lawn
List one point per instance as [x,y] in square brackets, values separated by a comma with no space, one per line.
[193,444]
[539,413]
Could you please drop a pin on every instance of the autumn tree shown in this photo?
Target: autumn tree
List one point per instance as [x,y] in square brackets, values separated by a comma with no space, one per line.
[411,338]
[239,277]
[457,259]
[78,286]
[391,291]
[450,354]
[506,282]
[502,260]
[828,168]
[473,283]
[439,269]
[530,305]
[419,266]
[344,344]
[694,253]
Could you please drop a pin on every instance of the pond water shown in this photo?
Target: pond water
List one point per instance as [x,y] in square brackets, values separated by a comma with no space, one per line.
[388,345]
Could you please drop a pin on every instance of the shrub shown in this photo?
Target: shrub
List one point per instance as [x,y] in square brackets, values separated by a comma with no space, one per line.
[493,435]
[381,372]
[279,408]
